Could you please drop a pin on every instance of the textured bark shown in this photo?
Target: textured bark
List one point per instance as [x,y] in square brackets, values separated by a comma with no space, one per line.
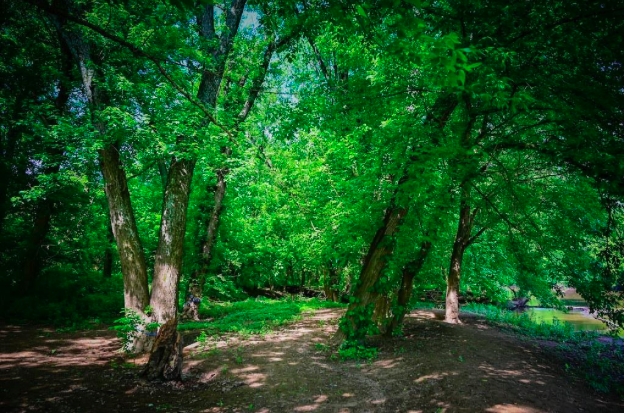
[168,260]
[123,224]
[165,361]
[198,277]
[124,227]
[382,245]
[468,168]
[375,261]
[452,308]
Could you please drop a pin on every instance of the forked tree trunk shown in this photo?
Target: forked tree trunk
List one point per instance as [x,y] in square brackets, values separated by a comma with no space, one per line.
[381,246]
[168,260]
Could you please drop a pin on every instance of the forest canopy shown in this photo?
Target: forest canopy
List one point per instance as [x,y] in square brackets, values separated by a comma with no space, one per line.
[372,152]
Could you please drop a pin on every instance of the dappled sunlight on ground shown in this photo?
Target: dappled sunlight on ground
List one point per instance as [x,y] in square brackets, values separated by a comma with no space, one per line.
[433,367]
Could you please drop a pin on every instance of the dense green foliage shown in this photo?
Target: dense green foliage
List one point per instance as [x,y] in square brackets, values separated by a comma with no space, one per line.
[492,129]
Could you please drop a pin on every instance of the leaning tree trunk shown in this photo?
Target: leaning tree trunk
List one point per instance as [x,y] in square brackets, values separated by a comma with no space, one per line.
[405,290]
[375,261]
[124,227]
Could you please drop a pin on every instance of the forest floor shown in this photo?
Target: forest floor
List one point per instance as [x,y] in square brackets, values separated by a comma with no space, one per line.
[434,367]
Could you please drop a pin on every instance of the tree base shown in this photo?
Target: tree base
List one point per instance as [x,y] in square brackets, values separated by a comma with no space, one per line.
[165,361]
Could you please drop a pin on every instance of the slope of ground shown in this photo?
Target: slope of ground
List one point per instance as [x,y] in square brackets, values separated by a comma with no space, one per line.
[435,367]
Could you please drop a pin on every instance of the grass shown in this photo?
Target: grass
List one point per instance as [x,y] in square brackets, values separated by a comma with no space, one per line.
[253,316]
[523,323]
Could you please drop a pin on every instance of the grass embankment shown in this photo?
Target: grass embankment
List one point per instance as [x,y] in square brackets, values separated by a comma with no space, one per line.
[600,363]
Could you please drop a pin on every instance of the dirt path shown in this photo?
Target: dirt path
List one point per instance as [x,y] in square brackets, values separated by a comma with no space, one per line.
[434,368]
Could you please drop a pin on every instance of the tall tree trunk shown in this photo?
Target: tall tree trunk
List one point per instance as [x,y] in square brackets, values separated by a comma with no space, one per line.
[123,223]
[168,260]
[124,227]
[198,278]
[468,167]
[382,245]
[452,308]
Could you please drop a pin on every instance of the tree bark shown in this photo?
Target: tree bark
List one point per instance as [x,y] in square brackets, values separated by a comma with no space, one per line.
[165,361]
[168,260]
[123,224]
[375,261]
[124,227]
[452,308]
[330,283]
[196,283]
[405,290]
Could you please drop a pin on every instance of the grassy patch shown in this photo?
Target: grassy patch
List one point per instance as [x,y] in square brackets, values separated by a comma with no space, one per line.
[253,316]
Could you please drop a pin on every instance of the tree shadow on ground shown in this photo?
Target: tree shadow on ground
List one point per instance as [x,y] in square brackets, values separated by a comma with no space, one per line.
[434,367]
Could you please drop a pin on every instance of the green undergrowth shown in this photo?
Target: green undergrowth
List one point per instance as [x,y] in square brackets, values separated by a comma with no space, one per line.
[68,300]
[252,316]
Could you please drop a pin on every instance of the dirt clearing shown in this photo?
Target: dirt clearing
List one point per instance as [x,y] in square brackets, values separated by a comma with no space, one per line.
[436,367]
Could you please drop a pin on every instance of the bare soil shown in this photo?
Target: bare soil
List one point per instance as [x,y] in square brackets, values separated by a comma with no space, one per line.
[435,367]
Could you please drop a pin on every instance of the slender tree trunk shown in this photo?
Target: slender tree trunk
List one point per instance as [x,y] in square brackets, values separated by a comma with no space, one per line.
[331,282]
[405,290]
[198,278]
[168,260]
[107,266]
[465,224]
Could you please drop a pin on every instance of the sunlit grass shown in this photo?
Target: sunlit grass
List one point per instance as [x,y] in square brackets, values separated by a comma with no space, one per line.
[253,316]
